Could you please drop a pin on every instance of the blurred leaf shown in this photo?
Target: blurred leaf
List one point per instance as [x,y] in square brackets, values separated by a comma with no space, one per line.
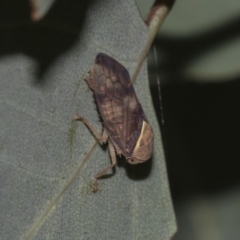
[47,160]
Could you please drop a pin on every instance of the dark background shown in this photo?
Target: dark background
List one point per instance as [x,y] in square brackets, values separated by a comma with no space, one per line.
[199,118]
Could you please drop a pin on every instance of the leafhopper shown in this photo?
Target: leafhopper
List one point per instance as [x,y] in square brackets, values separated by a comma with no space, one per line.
[125,126]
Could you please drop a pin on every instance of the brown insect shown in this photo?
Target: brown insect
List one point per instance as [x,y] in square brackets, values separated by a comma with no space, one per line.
[126,127]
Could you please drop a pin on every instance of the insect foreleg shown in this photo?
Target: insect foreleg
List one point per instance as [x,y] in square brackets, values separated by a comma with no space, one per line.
[104,171]
[101,137]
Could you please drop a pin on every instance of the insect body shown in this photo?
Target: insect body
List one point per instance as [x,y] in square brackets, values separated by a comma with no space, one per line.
[126,127]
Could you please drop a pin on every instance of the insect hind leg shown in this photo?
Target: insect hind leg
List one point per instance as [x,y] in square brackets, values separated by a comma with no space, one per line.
[104,171]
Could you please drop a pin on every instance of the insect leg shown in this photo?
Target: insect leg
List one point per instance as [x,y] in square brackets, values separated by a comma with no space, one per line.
[104,171]
[89,80]
[119,152]
[101,137]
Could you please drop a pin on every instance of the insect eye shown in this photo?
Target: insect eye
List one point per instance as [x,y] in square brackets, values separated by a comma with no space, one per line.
[132,161]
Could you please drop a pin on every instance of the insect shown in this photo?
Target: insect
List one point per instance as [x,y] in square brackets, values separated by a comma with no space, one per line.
[125,126]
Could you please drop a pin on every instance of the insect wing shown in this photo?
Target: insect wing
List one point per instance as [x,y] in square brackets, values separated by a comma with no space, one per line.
[117,102]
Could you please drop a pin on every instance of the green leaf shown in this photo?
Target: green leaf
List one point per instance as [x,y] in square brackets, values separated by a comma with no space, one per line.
[48,161]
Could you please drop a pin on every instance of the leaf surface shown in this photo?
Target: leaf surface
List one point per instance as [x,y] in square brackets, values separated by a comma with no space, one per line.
[47,160]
